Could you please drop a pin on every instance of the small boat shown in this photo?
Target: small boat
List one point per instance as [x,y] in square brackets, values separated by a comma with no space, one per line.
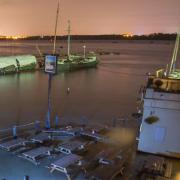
[75,62]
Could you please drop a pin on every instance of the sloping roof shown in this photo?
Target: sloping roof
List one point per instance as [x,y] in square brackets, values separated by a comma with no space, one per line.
[23,60]
[7,61]
[26,59]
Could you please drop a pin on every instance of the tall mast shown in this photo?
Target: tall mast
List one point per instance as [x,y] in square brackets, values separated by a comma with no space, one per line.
[69,37]
[175,53]
[55,32]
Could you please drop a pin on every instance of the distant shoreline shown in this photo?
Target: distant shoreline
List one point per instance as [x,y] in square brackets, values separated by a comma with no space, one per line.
[155,36]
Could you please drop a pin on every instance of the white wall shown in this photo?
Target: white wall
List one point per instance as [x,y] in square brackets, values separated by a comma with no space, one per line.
[167,107]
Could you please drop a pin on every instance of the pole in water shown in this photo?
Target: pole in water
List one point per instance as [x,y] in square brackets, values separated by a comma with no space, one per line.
[26,177]
[51,69]
[56,121]
[48,117]
[37,126]
[14,132]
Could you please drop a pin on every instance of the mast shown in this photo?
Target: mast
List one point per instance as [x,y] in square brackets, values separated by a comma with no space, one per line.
[175,53]
[69,37]
[55,32]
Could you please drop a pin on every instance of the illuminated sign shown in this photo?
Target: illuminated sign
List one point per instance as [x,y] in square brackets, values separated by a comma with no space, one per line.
[51,64]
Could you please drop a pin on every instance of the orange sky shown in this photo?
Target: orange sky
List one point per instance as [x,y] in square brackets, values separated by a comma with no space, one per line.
[37,17]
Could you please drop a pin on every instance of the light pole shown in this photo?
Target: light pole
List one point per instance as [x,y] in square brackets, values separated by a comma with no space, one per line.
[84,51]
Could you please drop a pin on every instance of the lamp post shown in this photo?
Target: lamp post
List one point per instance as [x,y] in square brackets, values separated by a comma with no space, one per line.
[84,51]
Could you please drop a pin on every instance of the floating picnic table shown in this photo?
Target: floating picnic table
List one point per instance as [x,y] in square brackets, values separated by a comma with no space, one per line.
[9,145]
[92,135]
[65,131]
[34,154]
[62,164]
[40,138]
[69,147]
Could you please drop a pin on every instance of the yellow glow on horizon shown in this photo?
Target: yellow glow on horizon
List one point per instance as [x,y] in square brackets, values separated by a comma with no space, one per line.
[128,35]
[13,37]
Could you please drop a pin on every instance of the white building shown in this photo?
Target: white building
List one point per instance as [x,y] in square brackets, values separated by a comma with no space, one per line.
[161,102]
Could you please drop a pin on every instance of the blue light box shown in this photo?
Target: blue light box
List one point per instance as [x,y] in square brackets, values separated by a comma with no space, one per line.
[51,64]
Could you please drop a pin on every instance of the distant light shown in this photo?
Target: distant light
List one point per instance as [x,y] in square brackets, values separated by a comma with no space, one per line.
[15,37]
[127,35]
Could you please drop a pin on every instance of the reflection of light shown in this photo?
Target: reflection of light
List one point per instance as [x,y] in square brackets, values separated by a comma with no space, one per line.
[13,37]
[128,35]
[140,129]
[177,176]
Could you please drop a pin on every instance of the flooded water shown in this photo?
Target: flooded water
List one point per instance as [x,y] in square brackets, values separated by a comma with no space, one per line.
[100,94]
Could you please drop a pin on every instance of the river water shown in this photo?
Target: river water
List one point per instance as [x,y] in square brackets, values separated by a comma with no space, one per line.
[100,94]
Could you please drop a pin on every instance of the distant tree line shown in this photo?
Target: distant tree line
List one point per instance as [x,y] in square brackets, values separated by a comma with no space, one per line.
[154,36]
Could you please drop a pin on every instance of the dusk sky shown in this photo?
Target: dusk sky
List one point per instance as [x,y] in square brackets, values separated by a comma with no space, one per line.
[37,17]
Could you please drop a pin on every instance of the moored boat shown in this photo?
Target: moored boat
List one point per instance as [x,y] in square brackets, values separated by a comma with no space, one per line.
[75,62]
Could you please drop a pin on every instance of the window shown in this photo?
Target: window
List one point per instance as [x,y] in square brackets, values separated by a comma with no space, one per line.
[159,134]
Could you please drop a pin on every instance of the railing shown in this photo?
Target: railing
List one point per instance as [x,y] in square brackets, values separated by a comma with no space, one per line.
[13,130]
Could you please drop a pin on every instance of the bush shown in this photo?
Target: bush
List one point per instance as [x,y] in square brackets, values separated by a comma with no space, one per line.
[151,119]
[158,83]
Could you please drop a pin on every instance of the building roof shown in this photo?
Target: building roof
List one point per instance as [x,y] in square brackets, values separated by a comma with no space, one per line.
[23,60]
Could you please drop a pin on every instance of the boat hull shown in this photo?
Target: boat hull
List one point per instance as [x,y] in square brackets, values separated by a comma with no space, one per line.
[73,66]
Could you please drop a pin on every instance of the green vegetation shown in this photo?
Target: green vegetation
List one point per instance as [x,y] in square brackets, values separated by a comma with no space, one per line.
[151,119]
[158,83]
